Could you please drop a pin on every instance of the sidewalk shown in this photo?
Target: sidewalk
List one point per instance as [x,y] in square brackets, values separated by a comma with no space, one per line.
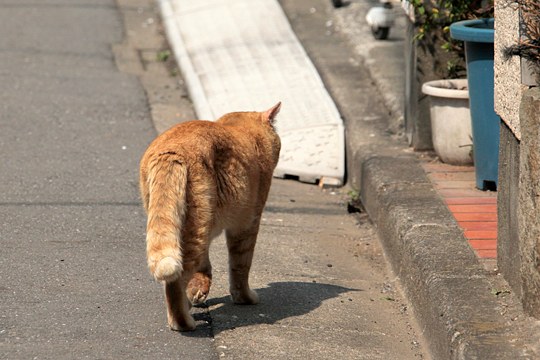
[460,305]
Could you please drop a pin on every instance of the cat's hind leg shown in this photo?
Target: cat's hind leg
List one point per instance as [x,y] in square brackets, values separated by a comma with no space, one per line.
[241,245]
[199,285]
[178,305]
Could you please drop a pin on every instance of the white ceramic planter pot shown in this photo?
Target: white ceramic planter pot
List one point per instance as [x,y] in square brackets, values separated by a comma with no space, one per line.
[450,120]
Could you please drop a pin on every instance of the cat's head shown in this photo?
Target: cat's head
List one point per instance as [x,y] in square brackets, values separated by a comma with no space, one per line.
[260,126]
[252,118]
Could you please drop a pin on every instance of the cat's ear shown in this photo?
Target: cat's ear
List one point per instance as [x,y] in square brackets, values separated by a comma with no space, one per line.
[269,115]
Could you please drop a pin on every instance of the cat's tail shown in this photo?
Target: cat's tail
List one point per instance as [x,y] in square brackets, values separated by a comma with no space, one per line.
[167,178]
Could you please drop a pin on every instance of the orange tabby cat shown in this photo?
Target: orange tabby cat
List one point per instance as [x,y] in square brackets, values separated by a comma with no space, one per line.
[198,179]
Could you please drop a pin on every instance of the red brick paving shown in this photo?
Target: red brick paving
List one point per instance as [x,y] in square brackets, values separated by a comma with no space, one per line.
[483,244]
[478,225]
[471,193]
[476,217]
[486,254]
[474,210]
[480,234]
[470,200]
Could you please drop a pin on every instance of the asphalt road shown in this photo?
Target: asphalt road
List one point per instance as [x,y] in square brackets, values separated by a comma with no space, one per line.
[73,127]
[74,282]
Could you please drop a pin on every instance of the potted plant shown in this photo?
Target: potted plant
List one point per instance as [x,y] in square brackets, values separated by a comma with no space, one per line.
[450,120]
[431,54]
[445,60]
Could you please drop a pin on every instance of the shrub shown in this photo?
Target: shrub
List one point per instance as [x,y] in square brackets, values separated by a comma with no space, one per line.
[432,19]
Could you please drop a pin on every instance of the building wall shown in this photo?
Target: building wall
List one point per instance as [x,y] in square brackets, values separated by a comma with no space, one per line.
[508,86]
[518,106]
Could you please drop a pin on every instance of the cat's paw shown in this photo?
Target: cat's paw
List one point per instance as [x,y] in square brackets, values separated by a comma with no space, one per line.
[248,297]
[198,288]
[187,324]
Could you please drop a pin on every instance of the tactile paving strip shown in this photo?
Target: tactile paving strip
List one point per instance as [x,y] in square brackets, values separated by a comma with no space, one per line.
[242,55]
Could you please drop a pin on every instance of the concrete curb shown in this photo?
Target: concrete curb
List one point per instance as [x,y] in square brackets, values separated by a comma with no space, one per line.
[451,294]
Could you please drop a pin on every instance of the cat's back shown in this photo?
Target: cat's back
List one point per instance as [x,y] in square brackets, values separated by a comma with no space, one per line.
[191,139]
[190,132]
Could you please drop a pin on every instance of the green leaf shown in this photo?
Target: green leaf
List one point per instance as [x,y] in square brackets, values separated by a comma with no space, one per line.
[163,55]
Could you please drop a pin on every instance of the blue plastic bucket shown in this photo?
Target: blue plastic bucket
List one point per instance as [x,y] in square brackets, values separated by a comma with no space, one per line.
[478,37]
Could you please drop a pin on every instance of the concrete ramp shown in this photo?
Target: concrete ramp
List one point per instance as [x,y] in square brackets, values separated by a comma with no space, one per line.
[242,55]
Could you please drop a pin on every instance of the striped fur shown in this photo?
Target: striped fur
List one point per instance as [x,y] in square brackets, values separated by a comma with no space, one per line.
[198,179]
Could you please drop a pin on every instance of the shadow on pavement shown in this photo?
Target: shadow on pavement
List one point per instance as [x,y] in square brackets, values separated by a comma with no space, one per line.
[278,301]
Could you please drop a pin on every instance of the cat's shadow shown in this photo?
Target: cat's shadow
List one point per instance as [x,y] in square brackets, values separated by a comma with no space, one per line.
[278,301]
